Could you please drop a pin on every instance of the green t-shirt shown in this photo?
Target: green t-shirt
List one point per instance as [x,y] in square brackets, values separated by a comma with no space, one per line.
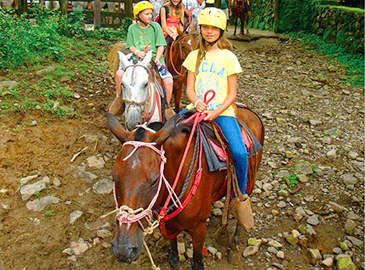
[140,37]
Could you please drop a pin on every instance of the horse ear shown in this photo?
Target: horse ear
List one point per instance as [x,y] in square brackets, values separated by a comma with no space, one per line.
[123,60]
[167,130]
[116,128]
[147,59]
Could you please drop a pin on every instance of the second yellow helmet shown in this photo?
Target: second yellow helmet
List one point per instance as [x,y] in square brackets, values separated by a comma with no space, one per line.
[214,17]
[140,6]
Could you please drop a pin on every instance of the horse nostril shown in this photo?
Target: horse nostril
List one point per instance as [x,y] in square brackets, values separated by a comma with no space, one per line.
[133,251]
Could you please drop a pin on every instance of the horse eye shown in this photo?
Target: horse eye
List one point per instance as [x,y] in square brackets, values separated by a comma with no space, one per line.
[145,85]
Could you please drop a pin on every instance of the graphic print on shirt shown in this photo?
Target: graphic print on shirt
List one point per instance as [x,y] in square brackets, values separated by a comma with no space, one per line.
[208,80]
[142,41]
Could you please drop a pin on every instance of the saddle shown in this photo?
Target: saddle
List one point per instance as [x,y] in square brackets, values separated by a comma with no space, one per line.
[215,144]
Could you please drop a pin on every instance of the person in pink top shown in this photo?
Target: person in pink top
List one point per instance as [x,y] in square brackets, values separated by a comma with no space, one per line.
[172,18]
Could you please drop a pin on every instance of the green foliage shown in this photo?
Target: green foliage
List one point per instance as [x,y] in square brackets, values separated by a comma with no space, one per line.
[354,63]
[49,213]
[293,180]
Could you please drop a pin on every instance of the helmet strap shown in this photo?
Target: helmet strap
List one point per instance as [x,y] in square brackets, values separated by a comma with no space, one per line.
[139,19]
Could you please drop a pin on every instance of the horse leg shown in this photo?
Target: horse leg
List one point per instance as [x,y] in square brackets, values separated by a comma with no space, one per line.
[242,17]
[246,20]
[235,24]
[173,254]
[178,85]
[198,238]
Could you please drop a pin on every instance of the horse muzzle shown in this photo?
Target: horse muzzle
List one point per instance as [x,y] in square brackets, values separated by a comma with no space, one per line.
[125,249]
[133,117]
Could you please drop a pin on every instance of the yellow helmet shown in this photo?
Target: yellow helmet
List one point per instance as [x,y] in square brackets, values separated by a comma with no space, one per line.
[214,17]
[140,6]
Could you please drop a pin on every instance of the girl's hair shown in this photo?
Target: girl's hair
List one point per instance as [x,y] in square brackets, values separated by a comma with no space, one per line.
[175,11]
[223,43]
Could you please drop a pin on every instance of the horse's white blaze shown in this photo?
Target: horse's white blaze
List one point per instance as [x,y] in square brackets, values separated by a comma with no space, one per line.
[189,42]
[136,162]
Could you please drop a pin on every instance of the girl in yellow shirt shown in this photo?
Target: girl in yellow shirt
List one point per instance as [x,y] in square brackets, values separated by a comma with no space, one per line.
[213,66]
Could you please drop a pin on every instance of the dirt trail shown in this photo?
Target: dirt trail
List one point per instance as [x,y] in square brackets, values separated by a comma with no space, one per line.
[282,82]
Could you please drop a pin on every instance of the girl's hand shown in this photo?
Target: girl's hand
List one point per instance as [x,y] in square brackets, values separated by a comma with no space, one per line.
[211,115]
[201,106]
[157,62]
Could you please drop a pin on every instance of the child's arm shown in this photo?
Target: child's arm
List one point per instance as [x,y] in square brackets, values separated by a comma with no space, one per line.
[164,24]
[136,52]
[159,53]
[190,92]
[231,97]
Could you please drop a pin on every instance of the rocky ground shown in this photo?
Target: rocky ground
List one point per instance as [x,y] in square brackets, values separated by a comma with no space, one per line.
[308,202]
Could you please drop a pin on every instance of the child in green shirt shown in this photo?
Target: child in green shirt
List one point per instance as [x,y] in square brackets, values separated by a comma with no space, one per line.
[142,34]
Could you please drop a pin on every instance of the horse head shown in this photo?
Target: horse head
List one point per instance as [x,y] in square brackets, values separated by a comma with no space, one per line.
[138,88]
[137,181]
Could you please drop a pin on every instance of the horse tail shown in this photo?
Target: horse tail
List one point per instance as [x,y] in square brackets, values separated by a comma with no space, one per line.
[113,56]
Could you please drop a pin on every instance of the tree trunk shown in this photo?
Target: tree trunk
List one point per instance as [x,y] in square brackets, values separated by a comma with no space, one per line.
[276,15]
[64,6]
[128,8]
[22,6]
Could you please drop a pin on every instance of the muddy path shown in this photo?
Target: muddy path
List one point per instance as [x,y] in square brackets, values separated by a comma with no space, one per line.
[307,112]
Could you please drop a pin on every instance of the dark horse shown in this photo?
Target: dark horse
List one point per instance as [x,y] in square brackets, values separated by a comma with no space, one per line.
[176,54]
[139,170]
[241,10]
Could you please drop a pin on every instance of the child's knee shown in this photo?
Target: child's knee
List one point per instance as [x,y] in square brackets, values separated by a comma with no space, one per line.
[119,74]
[168,83]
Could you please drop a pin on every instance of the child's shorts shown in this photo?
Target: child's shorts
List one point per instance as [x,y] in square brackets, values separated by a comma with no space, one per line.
[164,72]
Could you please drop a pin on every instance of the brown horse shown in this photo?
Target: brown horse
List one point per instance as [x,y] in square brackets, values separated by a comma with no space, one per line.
[176,54]
[138,173]
[241,10]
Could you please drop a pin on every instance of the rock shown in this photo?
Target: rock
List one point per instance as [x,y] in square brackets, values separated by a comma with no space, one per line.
[313,220]
[338,208]
[40,204]
[302,178]
[355,241]
[56,182]
[328,262]
[295,233]
[181,247]
[219,255]
[303,167]
[104,186]
[45,71]
[7,85]
[345,264]
[75,215]
[352,155]
[79,247]
[349,179]
[212,250]
[350,226]
[280,254]
[283,193]
[337,250]
[315,255]
[275,244]
[95,162]
[302,228]
[282,174]
[331,154]
[25,180]
[250,250]
[218,204]
[28,190]
[217,212]
[291,239]
[353,216]
[85,176]
[344,246]
[254,242]
[189,253]
[104,233]
[272,250]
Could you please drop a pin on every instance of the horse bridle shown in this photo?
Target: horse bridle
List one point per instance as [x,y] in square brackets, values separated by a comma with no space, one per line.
[145,105]
[183,69]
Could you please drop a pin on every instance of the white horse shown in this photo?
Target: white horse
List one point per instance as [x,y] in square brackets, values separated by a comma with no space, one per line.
[141,94]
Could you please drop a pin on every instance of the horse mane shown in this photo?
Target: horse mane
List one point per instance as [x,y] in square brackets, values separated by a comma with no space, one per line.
[113,56]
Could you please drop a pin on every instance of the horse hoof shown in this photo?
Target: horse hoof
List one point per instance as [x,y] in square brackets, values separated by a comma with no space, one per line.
[234,257]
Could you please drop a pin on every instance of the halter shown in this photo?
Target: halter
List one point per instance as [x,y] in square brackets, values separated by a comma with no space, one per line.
[148,105]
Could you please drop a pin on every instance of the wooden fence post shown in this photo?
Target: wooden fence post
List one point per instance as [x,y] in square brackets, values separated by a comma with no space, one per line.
[97,14]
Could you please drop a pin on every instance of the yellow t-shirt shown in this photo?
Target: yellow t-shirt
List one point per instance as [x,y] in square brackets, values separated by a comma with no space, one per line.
[212,74]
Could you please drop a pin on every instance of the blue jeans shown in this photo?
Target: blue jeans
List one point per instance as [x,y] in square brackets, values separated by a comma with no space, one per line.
[232,132]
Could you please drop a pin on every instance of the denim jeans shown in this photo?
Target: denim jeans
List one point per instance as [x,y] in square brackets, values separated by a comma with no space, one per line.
[232,132]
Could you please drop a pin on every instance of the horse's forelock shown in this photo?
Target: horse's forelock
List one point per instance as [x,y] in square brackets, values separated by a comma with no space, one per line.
[141,132]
